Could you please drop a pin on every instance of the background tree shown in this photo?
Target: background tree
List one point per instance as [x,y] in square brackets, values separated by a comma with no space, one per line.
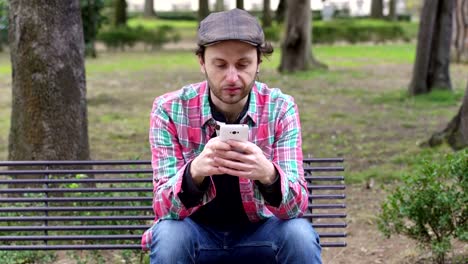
[431,66]
[266,18]
[3,23]
[203,9]
[49,116]
[219,6]
[296,48]
[460,31]
[392,14]
[377,9]
[456,132]
[149,9]
[240,4]
[120,18]
[281,11]
[92,21]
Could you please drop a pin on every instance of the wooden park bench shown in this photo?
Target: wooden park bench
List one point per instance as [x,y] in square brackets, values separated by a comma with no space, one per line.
[91,205]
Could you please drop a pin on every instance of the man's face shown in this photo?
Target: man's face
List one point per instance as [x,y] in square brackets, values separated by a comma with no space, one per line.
[230,68]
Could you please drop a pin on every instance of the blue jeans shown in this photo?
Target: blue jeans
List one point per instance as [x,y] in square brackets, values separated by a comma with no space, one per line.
[271,241]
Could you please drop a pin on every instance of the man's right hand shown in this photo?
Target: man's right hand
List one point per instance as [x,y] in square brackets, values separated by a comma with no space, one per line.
[204,165]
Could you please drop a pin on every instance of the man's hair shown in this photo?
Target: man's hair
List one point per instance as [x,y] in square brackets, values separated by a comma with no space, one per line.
[265,50]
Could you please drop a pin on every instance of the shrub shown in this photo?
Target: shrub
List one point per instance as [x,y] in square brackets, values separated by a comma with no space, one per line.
[156,38]
[118,37]
[123,37]
[358,30]
[431,206]
[272,33]
[178,15]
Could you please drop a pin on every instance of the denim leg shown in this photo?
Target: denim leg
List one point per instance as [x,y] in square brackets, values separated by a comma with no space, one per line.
[292,241]
[184,242]
[174,242]
[272,241]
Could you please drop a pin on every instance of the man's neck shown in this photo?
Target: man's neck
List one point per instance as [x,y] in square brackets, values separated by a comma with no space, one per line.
[230,111]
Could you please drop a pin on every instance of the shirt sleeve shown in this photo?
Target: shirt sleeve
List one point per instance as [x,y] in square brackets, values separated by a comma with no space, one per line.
[169,166]
[288,160]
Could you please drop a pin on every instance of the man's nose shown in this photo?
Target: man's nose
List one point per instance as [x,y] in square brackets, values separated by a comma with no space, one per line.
[232,74]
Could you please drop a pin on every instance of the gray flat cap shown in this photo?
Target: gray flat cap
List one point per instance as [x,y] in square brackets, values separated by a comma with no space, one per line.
[235,24]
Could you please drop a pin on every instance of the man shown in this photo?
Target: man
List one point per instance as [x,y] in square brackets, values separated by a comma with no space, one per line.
[233,201]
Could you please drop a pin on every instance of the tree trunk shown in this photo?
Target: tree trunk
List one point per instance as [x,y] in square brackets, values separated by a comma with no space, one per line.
[219,5]
[431,66]
[240,4]
[460,31]
[456,132]
[266,14]
[120,13]
[89,17]
[49,116]
[203,9]
[377,9]
[149,9]
[392,15]
[281,11]
[296,48]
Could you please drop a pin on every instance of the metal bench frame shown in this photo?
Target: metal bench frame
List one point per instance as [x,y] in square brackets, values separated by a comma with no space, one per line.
[32,218]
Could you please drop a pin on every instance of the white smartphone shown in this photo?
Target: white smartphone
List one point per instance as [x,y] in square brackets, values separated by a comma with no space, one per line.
[234,131]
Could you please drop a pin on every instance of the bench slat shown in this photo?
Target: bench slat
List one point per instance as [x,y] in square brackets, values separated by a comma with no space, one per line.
[77,190]
[72,237]
[75,228]
[76,199]
[75,208]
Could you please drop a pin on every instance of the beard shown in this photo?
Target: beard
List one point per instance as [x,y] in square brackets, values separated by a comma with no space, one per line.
[228,98]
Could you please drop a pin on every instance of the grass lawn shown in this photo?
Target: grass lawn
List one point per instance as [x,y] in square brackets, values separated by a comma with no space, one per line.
[358,109]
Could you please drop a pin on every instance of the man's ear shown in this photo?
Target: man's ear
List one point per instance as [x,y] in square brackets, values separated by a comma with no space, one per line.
[202,64]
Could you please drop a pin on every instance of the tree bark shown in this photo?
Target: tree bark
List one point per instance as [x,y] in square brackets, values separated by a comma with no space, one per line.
[240,4]
[456,132]
[219,5]
[120,18]
[377,9]
[266,14]
[431,66]
[149,9]
[392,15]
[89,17]
[460,30]
[281,11]
[203,9]
[296,48]
[49,116]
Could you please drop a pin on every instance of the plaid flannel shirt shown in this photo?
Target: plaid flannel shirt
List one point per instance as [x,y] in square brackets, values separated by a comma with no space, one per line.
[180,126]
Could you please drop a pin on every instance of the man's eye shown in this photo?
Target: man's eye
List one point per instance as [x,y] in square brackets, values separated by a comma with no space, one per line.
[220,65]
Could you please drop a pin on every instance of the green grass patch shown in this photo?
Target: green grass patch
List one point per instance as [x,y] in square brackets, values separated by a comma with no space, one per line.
[437,98]
[367,54]
[141,61]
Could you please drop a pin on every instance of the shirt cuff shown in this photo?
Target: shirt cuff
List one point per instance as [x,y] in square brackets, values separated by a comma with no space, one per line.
[191,195]
[271,192]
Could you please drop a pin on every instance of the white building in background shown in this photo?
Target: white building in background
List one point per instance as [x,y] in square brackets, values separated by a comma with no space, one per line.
[355,7]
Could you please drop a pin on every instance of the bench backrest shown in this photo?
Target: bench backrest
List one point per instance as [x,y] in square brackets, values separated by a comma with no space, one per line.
[107,204]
